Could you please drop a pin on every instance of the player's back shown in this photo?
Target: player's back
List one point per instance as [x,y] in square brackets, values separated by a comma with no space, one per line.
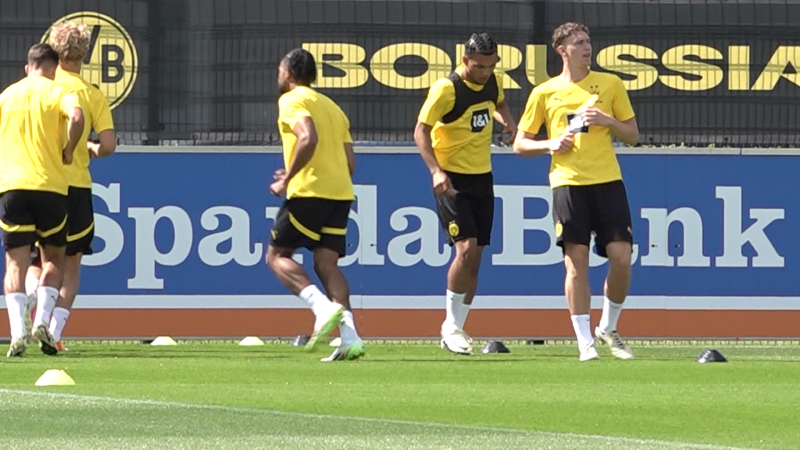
[327,175]
[97,117]
[31,144]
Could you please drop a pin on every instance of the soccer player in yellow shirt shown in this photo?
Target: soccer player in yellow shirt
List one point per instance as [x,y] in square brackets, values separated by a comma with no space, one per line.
[454,134]
[71,41]
[319,162]
[582,110]
[34,187]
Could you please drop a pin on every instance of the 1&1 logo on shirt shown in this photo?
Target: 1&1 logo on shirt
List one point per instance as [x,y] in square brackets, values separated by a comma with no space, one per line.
[112,62]
[480,119]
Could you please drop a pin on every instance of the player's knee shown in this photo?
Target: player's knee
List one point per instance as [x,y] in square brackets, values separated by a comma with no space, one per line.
[273,255]
[576,260]
[619,255]
[467,250]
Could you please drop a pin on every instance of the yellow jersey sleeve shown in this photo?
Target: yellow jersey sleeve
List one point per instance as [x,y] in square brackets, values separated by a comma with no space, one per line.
[292,108]
[101,113]
[441,100]
[68,100]
[621,105]
[533,117]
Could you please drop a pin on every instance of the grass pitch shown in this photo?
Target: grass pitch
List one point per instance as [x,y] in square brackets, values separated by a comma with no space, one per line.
[220,395]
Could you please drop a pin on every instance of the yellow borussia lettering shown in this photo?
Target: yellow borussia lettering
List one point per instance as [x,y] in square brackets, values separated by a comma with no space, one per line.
[617,58]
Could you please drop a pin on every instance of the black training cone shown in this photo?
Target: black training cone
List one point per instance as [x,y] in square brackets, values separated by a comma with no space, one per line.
[495,347]
[711,355]
[301,340]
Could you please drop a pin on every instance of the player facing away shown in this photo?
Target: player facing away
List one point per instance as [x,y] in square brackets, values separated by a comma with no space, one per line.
[454,134]
[319,162]
[33,188]
[582,110]
[71,41]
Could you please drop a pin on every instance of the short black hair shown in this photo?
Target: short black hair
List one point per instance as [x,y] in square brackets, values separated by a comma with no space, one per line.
[42,55]
[302,66]
[480,44]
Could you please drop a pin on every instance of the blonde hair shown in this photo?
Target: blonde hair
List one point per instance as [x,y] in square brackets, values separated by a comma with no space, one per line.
[70,40]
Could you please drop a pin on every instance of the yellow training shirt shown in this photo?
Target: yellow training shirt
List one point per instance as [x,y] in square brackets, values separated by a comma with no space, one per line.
[554,104]
[327,175]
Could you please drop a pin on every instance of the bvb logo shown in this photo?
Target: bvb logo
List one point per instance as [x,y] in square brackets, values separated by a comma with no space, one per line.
[453,229]
[559,229]
[112,63]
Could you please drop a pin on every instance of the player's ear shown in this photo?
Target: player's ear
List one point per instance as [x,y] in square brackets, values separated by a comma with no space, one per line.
[26,69]
[465,60]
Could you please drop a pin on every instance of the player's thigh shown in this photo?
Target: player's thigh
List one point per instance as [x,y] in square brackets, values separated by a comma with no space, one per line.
[572,215]
[17,219]
[298,224]
[334,227]
[80,222]
[612,215]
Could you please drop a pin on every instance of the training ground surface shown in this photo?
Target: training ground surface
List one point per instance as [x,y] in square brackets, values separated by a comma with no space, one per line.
[401,396]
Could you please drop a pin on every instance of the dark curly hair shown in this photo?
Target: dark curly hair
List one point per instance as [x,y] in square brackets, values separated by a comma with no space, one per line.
[302,66]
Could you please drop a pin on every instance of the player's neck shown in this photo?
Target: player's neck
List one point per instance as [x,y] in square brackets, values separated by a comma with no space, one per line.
[574,73]
[73,67]
[37,73]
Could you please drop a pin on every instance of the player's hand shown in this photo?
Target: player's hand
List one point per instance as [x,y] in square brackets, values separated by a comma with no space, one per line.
[512,130]
[594,116]
[441,183]
[66,156]
[94,149]
[278,187]
[563,144]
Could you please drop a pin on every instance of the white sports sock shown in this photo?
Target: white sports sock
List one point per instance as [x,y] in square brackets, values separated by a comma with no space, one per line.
[15,304]
[316,300]
[58,322]
[453,304]
[580,323]
[347,328]
[46,301]
[462,311]
[611,311]
[31,284]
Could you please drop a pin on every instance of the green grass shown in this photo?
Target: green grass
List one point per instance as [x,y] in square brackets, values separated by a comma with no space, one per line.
[401,396]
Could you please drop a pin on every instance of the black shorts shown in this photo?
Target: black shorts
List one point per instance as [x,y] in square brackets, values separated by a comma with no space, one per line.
[312,223]
[469,212]
[602,209]
[80,225]
[27,217]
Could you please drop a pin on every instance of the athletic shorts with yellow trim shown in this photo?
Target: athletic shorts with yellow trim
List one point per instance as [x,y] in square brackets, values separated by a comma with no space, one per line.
[80,226]
[30,216]
[312,223]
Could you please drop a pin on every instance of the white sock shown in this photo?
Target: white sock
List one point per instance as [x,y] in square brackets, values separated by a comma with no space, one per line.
[611,310]
[31,284]
[316,300]
[15,304]
[453,304]
[580,323]
[347,328]
[46,301]
[58,322]
[462,310]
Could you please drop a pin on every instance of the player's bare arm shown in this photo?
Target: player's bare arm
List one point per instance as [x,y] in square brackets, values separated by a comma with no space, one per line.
[527,146]
[422,136]
[75,125]
[106,146]
[502,115]
[627,131]
[307,140]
